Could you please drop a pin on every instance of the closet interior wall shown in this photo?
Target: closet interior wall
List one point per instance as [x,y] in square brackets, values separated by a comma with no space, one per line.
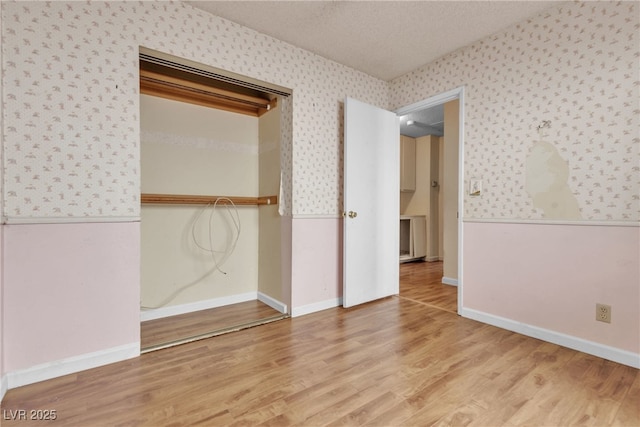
[197,150]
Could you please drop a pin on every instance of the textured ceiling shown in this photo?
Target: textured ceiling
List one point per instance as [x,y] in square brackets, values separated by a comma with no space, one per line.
[384,39]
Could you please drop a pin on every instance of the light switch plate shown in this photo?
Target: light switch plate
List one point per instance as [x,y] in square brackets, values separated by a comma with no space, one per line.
[475,187]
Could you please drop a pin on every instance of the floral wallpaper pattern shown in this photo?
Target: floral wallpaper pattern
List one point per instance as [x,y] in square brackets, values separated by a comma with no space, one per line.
[576,67]
[70,105]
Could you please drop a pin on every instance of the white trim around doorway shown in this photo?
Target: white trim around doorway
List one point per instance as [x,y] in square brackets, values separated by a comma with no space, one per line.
[457,93]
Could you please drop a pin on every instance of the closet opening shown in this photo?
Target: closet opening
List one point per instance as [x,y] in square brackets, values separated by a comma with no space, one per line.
[211,247]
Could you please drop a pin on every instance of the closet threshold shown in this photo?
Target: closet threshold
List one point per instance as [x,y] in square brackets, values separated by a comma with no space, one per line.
[215,333]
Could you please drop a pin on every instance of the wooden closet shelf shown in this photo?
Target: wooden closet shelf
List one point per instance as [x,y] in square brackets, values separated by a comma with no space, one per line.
[180,199]
[198,93]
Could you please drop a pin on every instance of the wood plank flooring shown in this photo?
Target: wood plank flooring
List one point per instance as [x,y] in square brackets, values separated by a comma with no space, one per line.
[419,281]
[393,362]
[422,282]
[159,332]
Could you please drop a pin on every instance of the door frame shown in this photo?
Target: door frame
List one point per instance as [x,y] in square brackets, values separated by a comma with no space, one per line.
[451,95]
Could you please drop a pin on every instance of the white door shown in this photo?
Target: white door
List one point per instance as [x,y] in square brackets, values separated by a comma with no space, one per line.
[371,203]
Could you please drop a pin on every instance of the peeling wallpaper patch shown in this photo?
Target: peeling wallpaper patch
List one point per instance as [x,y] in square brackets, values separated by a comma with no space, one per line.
[546,183]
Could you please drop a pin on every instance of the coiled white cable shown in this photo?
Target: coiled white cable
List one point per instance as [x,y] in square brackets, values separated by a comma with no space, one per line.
[226,253]
[236,223]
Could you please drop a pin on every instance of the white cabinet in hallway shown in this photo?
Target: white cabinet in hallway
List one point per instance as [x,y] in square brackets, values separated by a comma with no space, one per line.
[413,237]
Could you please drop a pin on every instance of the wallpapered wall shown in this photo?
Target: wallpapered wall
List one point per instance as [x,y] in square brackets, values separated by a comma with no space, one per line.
[70,102]
[577,67]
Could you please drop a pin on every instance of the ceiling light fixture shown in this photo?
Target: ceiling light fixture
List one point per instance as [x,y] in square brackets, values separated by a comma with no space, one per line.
[433,130]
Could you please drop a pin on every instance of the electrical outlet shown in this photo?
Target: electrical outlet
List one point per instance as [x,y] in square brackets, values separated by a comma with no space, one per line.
[603,313]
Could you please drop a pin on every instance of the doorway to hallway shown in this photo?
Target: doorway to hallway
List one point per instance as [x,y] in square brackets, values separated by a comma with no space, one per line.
[439,199]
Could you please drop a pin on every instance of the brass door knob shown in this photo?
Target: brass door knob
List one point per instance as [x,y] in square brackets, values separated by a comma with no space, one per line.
[353,214]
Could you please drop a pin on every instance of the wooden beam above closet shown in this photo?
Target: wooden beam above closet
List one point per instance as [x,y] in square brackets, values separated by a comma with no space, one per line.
[208,95]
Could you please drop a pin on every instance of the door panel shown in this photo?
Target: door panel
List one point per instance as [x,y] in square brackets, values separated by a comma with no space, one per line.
[371,202]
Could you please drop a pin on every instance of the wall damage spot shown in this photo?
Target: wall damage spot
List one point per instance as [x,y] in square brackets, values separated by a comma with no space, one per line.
[547,175]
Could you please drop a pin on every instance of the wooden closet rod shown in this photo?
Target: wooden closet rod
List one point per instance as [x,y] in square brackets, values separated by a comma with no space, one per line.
[180,199]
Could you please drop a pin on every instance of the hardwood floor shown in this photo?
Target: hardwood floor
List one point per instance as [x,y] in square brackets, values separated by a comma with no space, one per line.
[419,281]
[168,331]
[394,362]
[422,282]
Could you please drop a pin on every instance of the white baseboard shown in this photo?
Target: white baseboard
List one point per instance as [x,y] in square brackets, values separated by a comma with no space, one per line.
[596,349]
[449,281]
[272,302]
[71,365]
[433,258]
[318,306]
[174,310]
[3,386]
